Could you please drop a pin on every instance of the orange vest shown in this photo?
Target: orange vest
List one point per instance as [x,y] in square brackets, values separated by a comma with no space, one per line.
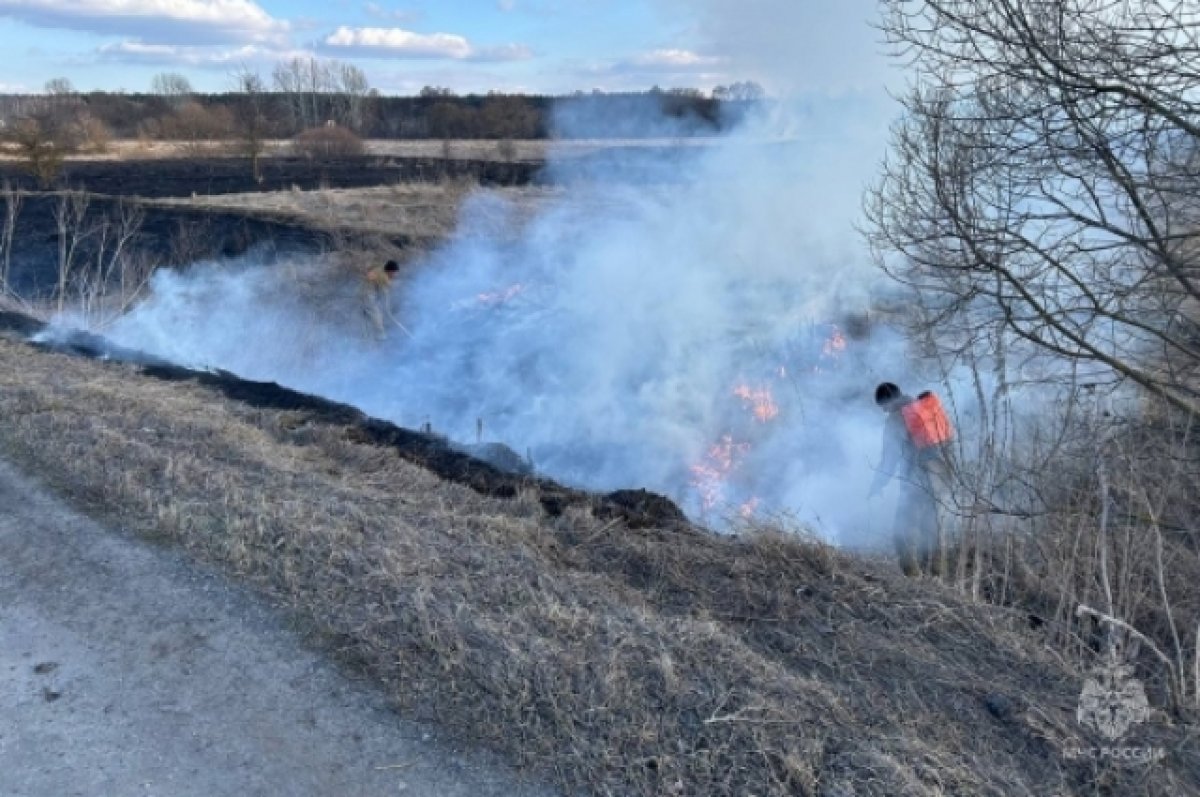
[926,421]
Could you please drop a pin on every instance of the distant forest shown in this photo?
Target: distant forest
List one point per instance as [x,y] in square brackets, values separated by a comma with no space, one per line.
[90,119]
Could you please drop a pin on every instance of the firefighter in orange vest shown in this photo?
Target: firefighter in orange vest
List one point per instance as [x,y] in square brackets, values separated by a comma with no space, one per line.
[915,441]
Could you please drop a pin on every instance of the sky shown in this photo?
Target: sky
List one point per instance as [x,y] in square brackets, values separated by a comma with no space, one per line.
[807,47]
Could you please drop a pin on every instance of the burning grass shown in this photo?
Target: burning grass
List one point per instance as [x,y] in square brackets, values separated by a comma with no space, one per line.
[615,660]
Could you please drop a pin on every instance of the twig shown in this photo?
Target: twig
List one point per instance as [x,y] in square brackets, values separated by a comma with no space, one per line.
[610,524]
[405,765]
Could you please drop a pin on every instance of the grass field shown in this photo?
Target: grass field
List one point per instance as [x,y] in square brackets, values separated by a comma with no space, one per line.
[423,212]
[612,660]
[468,149]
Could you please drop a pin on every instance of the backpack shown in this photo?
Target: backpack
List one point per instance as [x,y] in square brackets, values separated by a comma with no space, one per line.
[926,421]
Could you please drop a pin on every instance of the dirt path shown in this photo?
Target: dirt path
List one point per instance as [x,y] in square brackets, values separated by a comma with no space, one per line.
[126,670]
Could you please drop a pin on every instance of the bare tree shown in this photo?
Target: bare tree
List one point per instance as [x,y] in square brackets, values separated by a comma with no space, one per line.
[115,276]
[250,118]
[351,89]
[1044,178]
[299,81]
[71,222]
[172,86]
[59,87]
[317,91]
[196,126]
[1042,198]
[40,153]
[8,228]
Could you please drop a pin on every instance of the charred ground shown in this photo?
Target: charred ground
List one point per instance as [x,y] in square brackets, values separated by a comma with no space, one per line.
[184,176]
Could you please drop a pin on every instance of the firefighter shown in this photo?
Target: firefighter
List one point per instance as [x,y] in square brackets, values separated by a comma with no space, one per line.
[915,452]
[377,286]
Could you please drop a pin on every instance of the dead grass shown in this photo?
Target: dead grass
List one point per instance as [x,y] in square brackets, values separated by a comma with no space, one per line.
[620,662]
[455,149]
[422,212]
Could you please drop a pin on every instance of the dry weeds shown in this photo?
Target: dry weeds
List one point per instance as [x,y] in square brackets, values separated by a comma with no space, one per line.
[420,212]
[456,149]
[623,662]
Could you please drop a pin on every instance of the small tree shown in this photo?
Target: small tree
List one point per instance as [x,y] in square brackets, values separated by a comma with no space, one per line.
[196,126]
[8,228]
[40,155]
[94,136]
[59,87]
[250,118]
[174,87]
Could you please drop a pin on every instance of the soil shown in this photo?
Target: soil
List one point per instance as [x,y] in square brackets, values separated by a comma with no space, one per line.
[127,669]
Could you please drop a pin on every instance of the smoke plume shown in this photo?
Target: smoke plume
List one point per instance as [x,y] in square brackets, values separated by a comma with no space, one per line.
[696,324]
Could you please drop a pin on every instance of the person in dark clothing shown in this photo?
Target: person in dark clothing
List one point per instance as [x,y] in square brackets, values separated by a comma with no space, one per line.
[921,474]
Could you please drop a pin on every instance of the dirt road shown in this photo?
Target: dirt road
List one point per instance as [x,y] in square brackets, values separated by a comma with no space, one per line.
[127,670]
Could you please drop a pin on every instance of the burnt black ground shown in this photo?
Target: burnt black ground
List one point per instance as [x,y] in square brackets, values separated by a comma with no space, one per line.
[170,236]
[637,508]
[181,177]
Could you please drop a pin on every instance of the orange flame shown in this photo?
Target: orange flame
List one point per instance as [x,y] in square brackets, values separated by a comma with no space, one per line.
[750,508]
[500,297]
[710,475]
[835,344]
[761,402]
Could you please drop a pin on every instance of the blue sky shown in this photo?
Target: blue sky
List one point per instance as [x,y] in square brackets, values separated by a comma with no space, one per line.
[821,47]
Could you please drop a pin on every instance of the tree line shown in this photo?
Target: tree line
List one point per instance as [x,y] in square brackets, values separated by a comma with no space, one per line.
[306,93]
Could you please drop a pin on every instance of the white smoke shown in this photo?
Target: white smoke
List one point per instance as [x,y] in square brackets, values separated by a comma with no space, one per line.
[607,336]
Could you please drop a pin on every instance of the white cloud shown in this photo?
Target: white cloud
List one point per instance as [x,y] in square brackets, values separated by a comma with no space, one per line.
[401,43]
[183,21]
[667,67]
[135,52]
[671,61]
[404,44]
[376,11]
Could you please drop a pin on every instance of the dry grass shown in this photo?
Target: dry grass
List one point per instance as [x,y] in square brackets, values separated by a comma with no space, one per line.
[456,149]
[422,212]
[621,662]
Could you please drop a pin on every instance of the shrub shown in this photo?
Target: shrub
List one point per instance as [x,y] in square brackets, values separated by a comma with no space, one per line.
[39,154]
[326,142]
[196,128]
[94,134]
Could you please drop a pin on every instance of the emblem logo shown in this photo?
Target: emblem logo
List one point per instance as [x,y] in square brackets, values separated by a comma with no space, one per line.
[1112,701]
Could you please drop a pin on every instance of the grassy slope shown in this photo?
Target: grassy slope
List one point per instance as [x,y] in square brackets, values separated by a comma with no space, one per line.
[624,662]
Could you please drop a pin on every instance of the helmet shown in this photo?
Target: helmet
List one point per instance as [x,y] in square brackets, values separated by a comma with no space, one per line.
[886,393]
